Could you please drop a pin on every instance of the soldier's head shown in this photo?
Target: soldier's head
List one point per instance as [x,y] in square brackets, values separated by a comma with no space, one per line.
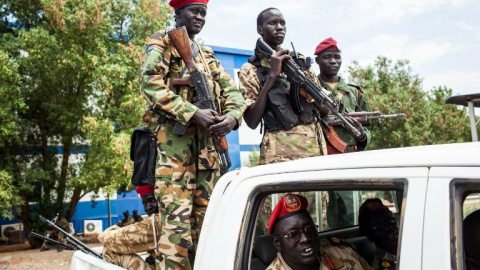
[379,224]
[271,26]
[294,233]
[471,240]
[328,57]
[126,214]
[191,14]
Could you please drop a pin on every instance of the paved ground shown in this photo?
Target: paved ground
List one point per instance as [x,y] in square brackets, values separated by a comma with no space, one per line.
[34,259]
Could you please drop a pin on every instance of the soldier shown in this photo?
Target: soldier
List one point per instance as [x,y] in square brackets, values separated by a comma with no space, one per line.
[187,166]
[288,133]
[136,216]
[339,140]
[379,224]
[329,59]
[296,238]
[126,221]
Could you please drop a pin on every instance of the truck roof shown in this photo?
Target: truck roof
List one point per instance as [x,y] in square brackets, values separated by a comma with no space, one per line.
[445,155]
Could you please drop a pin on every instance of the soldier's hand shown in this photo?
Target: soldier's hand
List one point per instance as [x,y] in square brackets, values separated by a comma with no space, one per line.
[205,118]
[276,61]
[356,124]
[150,204]
[224,124]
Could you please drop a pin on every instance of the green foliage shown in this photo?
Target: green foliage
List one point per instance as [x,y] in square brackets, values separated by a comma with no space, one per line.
[72,71]
[253,158]
[388,86]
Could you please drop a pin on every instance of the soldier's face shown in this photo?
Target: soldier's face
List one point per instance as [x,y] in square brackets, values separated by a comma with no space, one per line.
[273,29]
[192,17]
[301,253]
[329,62]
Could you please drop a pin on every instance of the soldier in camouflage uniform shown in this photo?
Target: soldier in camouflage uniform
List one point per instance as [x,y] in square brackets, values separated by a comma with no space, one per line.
[187,166]
[261,80]
[328,57]
[126,221]
[296,239]
[62,223]
[261,76]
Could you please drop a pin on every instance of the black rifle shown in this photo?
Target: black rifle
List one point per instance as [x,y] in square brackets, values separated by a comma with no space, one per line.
[48,241]
[74,242]
[295,75]
[362,117]
[203,98]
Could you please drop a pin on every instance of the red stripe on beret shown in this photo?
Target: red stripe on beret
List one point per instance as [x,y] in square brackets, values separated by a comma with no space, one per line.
[143,190]
[289,204]
[180,3]
[328,43]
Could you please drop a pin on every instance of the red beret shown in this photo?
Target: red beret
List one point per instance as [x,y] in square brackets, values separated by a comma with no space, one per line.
[180,3]
[289,205]
[328,43]
[143,190]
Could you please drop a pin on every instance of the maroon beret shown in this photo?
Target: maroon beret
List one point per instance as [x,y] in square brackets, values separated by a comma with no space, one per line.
[181,3]
[289,205]
[143,190]
[328,43]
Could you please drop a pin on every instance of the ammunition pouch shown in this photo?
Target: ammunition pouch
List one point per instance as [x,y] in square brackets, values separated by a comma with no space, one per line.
[279,114]
[143,153]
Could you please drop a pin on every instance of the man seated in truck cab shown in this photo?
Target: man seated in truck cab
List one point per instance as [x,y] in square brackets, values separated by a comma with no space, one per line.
[295,236]
[471,240]
[380,226]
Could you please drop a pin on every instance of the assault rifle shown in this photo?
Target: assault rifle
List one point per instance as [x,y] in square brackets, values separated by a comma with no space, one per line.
[203,98]
[362,117]
[295,75]
[73,243]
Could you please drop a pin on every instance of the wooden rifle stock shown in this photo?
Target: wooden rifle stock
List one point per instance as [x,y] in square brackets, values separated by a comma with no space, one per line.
[181,42]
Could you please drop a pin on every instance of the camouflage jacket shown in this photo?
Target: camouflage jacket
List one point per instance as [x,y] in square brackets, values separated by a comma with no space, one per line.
[283,145]
[350,96]
[161,65]
[336,254]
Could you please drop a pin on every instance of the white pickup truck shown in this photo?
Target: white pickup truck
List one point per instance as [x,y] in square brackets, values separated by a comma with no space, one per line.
[430,188]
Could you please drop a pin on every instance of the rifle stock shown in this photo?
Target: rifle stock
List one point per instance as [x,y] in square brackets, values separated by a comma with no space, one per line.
[180,40]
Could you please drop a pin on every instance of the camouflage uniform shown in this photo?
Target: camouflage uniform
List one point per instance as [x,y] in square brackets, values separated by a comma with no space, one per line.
[187,166]
[120,245]
[283,145]
[352,101]
[335,253]
[384,260]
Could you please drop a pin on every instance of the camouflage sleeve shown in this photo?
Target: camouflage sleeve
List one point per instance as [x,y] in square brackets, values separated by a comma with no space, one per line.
[249,83]
[363,106]
[234,103]
[158,51]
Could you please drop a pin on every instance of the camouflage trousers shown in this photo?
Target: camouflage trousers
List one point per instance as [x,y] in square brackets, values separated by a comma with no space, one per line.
[121,245]
[183,193]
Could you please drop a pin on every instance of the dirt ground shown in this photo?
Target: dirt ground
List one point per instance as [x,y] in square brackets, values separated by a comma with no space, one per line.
[20,257]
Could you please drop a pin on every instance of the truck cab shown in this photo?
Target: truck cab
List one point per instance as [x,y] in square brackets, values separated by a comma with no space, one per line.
[430,190]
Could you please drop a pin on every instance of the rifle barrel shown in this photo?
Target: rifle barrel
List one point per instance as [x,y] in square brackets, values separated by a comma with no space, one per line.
[72,239]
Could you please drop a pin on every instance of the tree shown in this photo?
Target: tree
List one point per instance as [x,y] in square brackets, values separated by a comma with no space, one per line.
[78,64]
[388,86]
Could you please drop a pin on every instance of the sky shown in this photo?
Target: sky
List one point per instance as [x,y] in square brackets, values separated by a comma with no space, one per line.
[440,38]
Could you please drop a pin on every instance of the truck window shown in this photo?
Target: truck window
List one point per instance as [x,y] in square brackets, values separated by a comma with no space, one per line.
[335,212]
[331,210]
